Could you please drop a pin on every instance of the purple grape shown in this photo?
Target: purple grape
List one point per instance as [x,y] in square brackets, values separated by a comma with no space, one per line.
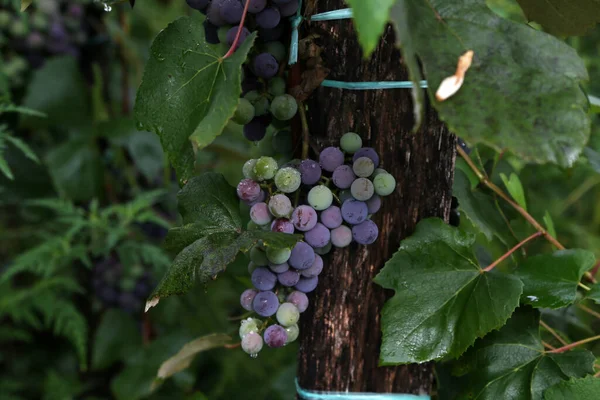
[213,13]
[265,304]
[368,152]
[256,129]
[278,2]
[231,11]
[261,197]
[365,233]
[298,299]
[345,195]
[128,302]
[354,211]
[263,279]
[310,171]
[314,269]
[318,236]
[341,236]
[198,4]
[331,158]
[289,9]
[265,65]
[374,204]
[279,268]
[288,278]
[256,6]
[307,285]
[283,225]
[302,257]
[275,336]
[247,298]
[76,11]
[259,214]
[268,18]
[332,217]
[211,32]
[248,190]
[304,218]
[231,33]
[271,35]
[343,176]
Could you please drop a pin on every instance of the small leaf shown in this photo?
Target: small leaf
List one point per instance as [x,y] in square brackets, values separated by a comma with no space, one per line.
[24,147]
[185,356]
[117,337]
[443,301]
[563,17]
[594,293]
[549,224]
[510,364]
[575,389]
[25,4]
[188,93]
[515,188]
[5,169]
[595,104]
[550,280]
[370,19]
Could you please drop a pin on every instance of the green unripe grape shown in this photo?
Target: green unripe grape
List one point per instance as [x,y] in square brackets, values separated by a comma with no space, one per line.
[277,50]
[378,171]
[385,184]
[277,86]
[288,180]
[350,142]
[282,142]
[252,96]
[19,28]
[5,18]
[362,189]
[252,226]
[249,325]
[320,197]
[323,250]
[292,333]
[248,169]
[284,107]
[363,167]
[222,33]
[261,106]
[251,267]
[258,256]
[244,112]
[278,256]
[265,168]
[39,21]
[287,314]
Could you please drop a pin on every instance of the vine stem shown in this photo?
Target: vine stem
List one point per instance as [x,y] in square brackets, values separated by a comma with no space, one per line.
[238,33]
[553,333]
[548,345]
[508,253]
[234,345]
[574,344]
[589,310]
[305,131]
[489,184]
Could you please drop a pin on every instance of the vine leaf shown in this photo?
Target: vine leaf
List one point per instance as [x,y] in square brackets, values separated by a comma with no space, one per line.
[370,18]
[511,364]
[563,17]
[574,389]
[550,280]
[211,235]
[594,293]
[188,92]
[522,91]
[443,301]
[515,188]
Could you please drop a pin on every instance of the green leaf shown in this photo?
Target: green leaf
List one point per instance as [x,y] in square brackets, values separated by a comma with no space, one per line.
[211,235]
[550,280]
[370,19]
[188,92]
[443,301]
[594,293]
[549,224]
[117,337]
[522,91]
[185,356]
[563,17]
[511,364]
[515,188]
[5,169]
[25,4]
[575,389]
[595,104]
[24,147]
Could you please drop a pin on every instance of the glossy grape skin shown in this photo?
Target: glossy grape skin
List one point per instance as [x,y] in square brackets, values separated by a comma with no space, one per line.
[331,217]
[343,176]
[367,152]
[248,325]
[350,142]
[279,51]
[255,6]
[365,232]
[310,171]
[263,279]
[287,314]
[275,336]
[307,285]
[248,169]
[318,236]
[374,204]
[378,171]
[280,206]
[315,269]
[288,9]
[252,343]
[288,278]
[341,237]
[268,18]
[331,158]
[302,256]
[265,168]
[284,107]
[265,304]
[259,214]
[278,256]
[231,11]
[363,167]
[292,333]
[265,66]
[232,33]
[244,112]
[320,197]
[288,180]
[261,197]
[384,184]
[282,225]
[213,13]
[354,211]
[299,299]
[362,189]
[304,218]
[248,190]
[279,268]
[323,250]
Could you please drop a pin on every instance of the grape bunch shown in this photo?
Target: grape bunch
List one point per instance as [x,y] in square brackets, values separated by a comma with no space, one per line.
[264,101]
[329,202]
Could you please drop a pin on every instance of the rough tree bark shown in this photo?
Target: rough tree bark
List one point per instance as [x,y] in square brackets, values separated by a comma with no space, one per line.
[341,336]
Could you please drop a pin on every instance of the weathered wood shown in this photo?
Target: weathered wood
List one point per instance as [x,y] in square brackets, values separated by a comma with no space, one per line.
[340,332]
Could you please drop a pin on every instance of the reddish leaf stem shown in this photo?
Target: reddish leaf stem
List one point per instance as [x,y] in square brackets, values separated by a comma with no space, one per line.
[574,344]
[239,32]
[508,253]
[548,345]
[553,333]
[233,345]
[589,310]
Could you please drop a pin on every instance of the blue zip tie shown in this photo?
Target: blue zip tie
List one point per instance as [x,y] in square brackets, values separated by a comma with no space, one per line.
[294,43]
[344,13]
[314,395]
[371,85]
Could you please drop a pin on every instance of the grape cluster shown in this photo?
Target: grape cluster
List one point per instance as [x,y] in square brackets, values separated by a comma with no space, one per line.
[264,100]
[329,202]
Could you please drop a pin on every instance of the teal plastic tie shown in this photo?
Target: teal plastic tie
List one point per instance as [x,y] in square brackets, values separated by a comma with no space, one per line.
[314,395]
[344,13]
[296,21]
[371,85]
